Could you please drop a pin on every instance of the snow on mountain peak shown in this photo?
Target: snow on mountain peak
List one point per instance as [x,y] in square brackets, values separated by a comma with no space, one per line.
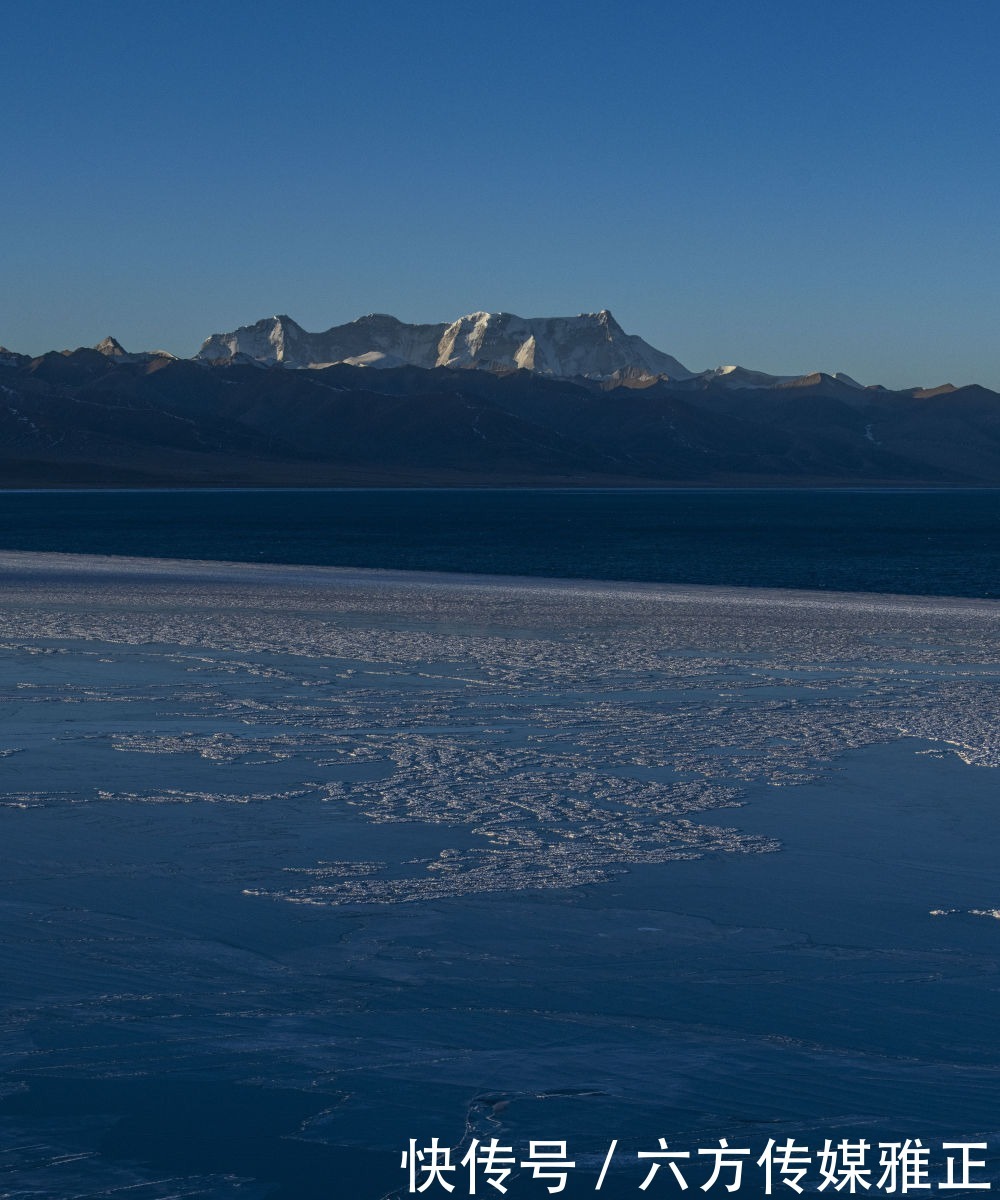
[593,345]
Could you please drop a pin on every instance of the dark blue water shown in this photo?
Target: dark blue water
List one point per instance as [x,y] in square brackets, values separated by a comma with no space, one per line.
[915,542]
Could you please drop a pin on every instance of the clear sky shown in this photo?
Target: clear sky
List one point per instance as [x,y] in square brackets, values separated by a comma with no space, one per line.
[786,184]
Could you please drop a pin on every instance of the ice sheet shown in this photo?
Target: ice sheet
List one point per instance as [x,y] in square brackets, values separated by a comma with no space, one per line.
[376,855]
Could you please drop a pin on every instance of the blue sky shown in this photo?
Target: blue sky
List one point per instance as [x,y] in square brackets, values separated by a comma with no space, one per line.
[787,184]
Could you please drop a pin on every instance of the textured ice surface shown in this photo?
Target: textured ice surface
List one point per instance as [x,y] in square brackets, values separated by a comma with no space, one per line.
[365,848]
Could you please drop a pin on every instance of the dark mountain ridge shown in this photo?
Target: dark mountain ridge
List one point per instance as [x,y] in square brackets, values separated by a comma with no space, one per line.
[94,417]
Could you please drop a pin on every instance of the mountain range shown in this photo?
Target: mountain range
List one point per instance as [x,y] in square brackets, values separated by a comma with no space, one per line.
[491,398]
[592,345]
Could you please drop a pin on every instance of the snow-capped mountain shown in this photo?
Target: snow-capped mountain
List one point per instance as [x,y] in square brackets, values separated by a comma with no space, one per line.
[743,377]
[592,345]
[375,340]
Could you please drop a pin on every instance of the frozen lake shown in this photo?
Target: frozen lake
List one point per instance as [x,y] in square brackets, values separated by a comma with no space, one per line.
[301,863]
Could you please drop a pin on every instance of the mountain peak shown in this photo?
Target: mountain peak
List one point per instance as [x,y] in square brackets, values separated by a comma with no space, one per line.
[592,345]
[377,318]
[283,320]
[111,347]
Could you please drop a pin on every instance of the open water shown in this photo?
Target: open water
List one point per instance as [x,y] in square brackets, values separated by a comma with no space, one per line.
[943,543]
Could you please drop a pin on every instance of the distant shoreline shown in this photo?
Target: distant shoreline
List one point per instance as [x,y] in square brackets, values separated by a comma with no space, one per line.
[847,485]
